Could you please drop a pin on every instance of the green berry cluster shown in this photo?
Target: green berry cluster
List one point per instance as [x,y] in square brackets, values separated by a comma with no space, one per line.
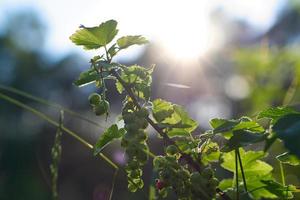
[187,185]
[134,141]
[100,106]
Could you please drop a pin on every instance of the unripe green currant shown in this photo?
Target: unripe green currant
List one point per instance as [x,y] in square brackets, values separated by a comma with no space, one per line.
[101,108]
[94,99]
[129,117]
[171,150]
[207,173]
[142,136]
[143,112]
[136,173]
[213,182]
[142,123]
[132,127]
[131,187]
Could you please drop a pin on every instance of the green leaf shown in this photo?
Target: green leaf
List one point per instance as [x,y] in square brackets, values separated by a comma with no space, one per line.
[186,145]
[287,128]
[112,50]
[127,41]
[107,137]
[95,37]
[222,125]
[185,118]
[226,127]
[174,118]
[255,171]
[283,192]
[210,152]
[242,138]
[276,113]
[289,159]
[225,184]
[86,78]
[253,167]
[162,109]
[119,87]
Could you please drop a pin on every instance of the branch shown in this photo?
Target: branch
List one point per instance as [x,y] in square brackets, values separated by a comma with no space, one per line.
[164,135]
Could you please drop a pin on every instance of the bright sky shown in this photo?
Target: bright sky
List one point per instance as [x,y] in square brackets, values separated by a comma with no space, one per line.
[183,27]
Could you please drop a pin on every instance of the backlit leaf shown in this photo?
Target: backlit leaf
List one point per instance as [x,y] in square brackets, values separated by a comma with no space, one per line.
[289,159]
[86,78]
[276,113]
[95,37]
[108,136]
[126,41]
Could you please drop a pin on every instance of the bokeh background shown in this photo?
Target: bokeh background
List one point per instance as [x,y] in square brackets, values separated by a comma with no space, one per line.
[217,58]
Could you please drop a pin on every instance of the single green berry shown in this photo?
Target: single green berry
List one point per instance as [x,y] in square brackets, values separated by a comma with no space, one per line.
[171,150]
[129,118]
[131,187]
[94,99]
[101,108]
[143,112]
[207,173]
[142,123]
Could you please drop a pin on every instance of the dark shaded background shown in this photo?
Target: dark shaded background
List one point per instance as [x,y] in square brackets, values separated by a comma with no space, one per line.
[264,65]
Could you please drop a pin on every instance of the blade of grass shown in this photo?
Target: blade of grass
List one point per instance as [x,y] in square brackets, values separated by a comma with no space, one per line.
[56,124]
[48,103]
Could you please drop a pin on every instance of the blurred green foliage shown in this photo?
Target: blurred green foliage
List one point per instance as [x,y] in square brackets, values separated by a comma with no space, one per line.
[272,73]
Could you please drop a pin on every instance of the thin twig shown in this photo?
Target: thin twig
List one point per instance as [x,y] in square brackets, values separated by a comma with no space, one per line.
[237,175]
[242,169]
[164,135]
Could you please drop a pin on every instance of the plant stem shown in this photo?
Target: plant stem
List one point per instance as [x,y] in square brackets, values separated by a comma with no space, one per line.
[113,184]
[47,103]
[242,169]
[290,91]
[236,175]
[282,173]
[165,137]
[54,123]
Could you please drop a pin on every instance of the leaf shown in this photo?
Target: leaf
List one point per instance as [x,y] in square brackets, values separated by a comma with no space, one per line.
[86,78]
[178,132]
[222,125]
[127,41]
[95,37]
[174,118]
[186,145]
[289,159]
[210,152]
[287,128]
[162,109]
[253,167]
[225,184]
[226,127]
[276,113]
[283,192]
[107,137]
[242,138]
[119,87]
[185,118]
[112,50]
[255,171]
